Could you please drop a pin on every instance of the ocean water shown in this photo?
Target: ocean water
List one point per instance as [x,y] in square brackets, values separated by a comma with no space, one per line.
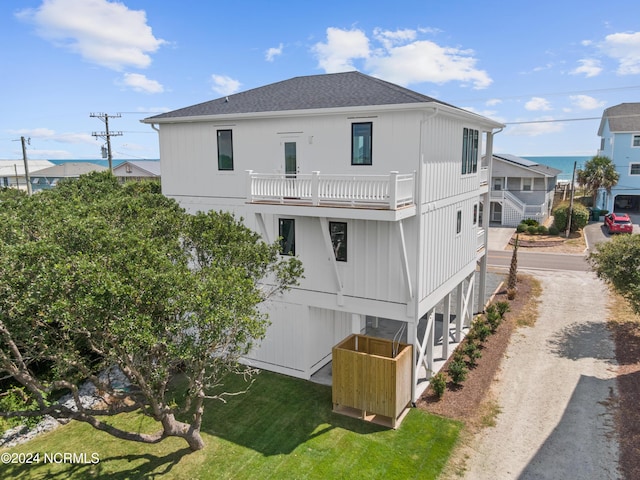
[565,164]
[104,163]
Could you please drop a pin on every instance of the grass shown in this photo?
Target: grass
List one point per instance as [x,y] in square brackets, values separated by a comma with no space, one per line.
[528,315]
[283,428]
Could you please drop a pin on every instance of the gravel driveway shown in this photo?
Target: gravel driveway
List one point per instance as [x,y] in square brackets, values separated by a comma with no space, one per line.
[553,390]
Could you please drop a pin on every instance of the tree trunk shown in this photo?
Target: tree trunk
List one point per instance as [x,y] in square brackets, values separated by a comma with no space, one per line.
[175,428]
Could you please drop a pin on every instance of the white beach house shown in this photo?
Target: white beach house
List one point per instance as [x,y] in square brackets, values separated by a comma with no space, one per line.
[376,188]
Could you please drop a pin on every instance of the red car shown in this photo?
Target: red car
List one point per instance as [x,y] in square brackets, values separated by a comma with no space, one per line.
[618,223]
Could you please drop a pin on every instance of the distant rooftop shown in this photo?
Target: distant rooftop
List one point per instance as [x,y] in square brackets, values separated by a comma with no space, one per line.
[530,164]
[69,169]
[622,118]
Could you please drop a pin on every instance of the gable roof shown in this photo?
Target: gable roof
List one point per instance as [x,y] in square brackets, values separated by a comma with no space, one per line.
[148,166]
[8,168]
[349,89]
[624,117]
[69,169]
[540,168]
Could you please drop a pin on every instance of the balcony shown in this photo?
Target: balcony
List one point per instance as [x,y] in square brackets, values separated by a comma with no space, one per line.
[393,193]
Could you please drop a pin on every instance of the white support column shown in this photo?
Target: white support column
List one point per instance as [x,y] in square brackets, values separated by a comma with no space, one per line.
[412,339]
[263,228]
[459,310]
[446,318]
[324,227]
[356,322]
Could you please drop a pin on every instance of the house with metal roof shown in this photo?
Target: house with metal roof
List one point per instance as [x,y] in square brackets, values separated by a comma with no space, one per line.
[619,134]
[13,173]
[375,187]
[49,177]
[137,170]
[520,189]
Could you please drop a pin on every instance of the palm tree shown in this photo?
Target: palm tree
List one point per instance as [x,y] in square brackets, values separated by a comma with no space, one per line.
[599,172]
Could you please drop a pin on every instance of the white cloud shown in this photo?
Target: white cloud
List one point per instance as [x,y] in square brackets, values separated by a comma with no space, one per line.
[537,103]
[590,67]
[273,52]
[492,102]
[102,32]
[48,134]
[342,47]
[140,83]
[625,48]
[400,57]
[224,85]
[535,128]
[586,102]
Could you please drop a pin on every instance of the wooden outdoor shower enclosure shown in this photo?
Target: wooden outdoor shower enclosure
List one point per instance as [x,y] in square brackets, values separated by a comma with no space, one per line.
[372,377]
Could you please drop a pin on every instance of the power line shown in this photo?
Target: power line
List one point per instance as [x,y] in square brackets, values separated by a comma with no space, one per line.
[106,134]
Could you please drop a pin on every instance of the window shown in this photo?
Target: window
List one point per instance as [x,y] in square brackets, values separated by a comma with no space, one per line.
[469,151]
[287,234]
[225,150]
[475,214]
[634,169]
[459,222]
[636,141]
[361,143]
[527,184]
[338,233]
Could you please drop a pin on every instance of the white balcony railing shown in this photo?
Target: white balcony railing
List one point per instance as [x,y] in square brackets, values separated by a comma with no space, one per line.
[391,191]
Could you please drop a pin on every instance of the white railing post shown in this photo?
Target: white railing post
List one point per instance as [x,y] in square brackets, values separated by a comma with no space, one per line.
[393,190]
[315,188]
[249,183]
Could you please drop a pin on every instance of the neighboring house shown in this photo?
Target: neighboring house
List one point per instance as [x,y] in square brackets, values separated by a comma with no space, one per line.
[376,188]
[136,170]
[520,189]
[12,173]
[49,177]
[620,141]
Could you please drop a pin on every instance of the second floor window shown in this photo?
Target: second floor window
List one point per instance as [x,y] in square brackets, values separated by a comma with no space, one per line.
[287,234]
[225,150]
[636,141]
[527,184]
[361,143]
[469,151]
[634,169]
[338,233]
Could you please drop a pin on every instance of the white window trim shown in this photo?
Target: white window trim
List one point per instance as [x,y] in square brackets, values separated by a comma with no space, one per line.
[522,184]
[633,136]
[630,164]
[459,222]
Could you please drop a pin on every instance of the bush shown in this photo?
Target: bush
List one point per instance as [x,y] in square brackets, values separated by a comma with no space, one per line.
[481,329]
[502,307]
[521,228]
[458,371]
[553,230]
[530,222]
[532,230]
[542,230]
[439,384]
[603,212]
[579,217]
[472,350]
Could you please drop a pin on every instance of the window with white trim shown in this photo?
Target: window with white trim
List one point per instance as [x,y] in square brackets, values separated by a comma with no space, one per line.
[635,142]
[459,222]
[338,234]
[225,150]
[361,143]
[469,151]
[527,184]
[634,169]
[287,234]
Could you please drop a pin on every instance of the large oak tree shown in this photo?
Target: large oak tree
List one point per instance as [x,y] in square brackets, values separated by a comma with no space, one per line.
[95,276]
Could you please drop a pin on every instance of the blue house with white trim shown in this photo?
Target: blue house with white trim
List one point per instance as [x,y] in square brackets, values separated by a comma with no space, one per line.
[620,141]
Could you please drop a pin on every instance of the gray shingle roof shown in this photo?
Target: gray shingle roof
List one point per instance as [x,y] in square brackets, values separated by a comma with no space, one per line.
[622,118]
[349,89]
[69,169]
[530,164]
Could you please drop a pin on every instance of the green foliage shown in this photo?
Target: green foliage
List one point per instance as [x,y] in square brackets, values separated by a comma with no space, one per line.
[553,230]
[458,371]
[512,279]
[481,329]
[530,222]
[542,230]
[95,274]
[472,350]
[532,230]
[16,399]
[521,228]
[618,263]
[579,217]
[438,384]
[599,172]
[502,307]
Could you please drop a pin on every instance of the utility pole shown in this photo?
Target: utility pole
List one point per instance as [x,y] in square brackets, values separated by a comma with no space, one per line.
[573,180]
[106,134]
[26,164]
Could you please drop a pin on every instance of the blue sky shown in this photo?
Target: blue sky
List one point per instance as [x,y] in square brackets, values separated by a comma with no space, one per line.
[526,64]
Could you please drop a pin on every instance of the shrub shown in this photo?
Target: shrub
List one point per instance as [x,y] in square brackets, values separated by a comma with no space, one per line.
[482,330]
[439,384]
[494,319]
[553,230]
[458,371]
[472,350]
[542,230]
[603,212]
[532,230]
[502,307]
[530,222]
[579,217]
[521,228]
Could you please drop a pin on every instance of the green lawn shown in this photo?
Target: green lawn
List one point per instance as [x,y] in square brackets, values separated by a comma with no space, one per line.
[282,429]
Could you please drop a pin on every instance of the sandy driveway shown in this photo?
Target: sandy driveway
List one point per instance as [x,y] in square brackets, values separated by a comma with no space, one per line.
[553,389]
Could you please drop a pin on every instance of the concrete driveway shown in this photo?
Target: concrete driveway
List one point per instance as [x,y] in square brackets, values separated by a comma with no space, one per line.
[596,232]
